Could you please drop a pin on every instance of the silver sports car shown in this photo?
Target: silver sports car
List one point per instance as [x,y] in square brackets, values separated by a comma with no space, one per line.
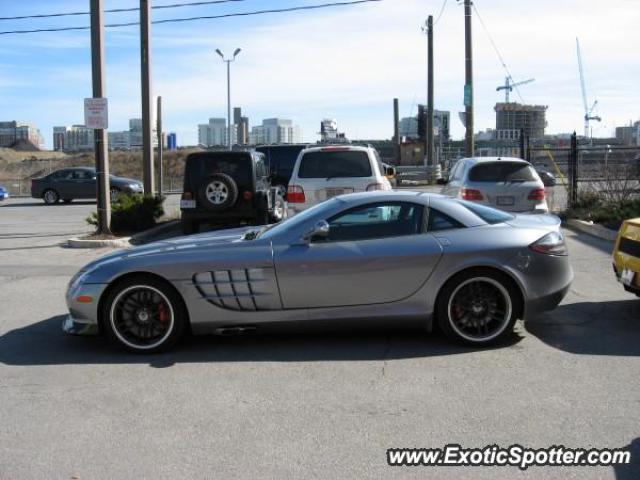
[366,257]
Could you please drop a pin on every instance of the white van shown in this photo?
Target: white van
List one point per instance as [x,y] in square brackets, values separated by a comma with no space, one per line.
[324,172]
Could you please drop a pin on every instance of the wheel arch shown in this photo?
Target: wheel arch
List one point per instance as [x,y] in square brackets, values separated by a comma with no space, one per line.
[493,269]
[141,274]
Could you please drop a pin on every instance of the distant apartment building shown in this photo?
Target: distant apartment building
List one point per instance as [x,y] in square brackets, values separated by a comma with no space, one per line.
[441,121]
[241,126]
[511,118]
[14,131]
[276,130]
[629,135]
[76,138]
[214,133]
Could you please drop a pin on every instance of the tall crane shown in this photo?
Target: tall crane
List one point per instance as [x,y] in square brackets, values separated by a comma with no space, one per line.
[588,112]
[508,86]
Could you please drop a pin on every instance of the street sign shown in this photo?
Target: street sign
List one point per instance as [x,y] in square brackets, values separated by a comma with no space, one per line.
[96,113]
[467,95]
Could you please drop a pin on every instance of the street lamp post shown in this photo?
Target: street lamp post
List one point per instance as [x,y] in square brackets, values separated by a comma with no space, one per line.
[228,62]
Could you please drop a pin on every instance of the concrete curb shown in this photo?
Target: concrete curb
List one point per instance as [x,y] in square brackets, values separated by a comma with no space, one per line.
[86,243]
[592,229]
[158,230]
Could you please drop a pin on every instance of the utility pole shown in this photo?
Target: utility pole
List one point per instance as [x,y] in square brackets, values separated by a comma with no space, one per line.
[430,150]
[468,86]
[160,145]
[145,64]
[228,62]
[100,135]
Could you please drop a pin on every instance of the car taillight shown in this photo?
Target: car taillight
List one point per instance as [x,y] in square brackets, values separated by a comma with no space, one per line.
[550,244]
[247,195]
[187,196]
[471,194]
[536,194]
[295,194]
[375,186]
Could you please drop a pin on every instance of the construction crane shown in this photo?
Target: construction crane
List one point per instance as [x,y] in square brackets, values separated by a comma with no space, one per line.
[588,112]
[508,86]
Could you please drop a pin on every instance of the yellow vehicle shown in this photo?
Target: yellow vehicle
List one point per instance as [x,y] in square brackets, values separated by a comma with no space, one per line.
[626,256]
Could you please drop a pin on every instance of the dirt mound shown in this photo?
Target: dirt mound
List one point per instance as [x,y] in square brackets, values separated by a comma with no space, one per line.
[23,145]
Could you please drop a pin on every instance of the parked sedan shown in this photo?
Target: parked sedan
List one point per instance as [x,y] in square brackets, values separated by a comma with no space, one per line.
[78,183]
[510,184]
[4,193]
[419,258]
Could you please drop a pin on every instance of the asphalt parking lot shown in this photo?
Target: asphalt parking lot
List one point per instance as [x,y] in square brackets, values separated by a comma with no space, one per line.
[301,406]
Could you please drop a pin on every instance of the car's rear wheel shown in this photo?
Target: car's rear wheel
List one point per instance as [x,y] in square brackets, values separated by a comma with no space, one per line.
[478,307]
[279,211]
[50,197]
[144,314]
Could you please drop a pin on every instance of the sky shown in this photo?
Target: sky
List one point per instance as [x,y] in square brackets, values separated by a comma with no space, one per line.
[346,63]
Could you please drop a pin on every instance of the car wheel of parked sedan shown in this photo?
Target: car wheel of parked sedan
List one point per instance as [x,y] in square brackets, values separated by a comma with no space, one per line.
[478,307]
[50,197]
[144,314]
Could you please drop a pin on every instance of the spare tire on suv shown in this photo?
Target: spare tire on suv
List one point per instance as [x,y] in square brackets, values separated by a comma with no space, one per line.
[218,192]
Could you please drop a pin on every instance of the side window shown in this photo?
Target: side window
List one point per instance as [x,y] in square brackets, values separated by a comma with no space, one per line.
[261,168]
[64,175]
[439,221]
[379,220]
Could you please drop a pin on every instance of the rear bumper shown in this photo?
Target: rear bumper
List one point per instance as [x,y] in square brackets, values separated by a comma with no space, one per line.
[546,302]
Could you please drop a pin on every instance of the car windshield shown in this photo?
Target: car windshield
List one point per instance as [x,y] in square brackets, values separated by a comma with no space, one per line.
[336,163]
[488,214]
[502,172]
[295,221]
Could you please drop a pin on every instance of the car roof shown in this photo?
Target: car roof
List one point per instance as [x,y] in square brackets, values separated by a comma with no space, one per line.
[337,148]
[476,160]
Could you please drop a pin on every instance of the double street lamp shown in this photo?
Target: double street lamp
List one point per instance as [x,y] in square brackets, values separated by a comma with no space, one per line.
[228,62]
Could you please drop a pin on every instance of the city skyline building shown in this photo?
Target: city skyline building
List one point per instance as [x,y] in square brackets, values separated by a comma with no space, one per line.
[14,130]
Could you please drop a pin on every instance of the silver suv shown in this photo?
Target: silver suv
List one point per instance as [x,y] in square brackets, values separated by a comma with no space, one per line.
[510,184]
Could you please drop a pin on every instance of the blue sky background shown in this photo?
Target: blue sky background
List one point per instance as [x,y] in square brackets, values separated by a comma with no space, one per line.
[345,63]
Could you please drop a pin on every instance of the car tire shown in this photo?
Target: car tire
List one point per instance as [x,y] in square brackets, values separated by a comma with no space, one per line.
[154,320]
[218,192]
[189,227]
[67,200]
[478,307]
[279,210]
[50,197]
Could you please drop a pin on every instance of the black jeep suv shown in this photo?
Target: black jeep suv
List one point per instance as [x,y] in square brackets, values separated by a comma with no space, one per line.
[228,188]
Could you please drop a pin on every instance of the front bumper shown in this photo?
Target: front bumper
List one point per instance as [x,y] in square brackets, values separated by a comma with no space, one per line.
[83,316]
[74,326]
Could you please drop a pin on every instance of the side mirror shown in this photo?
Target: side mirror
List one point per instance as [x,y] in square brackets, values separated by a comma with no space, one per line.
[442,181]
[319,230]
[391,172]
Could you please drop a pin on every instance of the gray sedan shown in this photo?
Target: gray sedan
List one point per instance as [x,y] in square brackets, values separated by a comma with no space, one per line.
[390,257]
[69,184]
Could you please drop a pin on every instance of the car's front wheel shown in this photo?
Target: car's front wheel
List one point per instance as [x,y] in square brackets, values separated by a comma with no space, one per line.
[144,314]
[50,197]
[478,307]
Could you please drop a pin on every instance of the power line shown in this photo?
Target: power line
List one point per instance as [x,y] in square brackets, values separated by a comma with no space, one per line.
[120,10]
[444,4]
[495,47]
[207,17]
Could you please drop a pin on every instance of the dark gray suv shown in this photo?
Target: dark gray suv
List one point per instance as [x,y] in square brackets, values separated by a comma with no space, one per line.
[78,183]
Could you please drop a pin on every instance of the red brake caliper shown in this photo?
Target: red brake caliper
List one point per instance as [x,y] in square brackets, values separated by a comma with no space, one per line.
[162,313]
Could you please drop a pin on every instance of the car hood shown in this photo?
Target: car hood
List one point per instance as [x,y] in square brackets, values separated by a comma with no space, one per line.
[177,245]
[546,221]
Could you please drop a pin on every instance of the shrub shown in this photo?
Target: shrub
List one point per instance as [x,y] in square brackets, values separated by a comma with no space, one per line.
[133,213]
